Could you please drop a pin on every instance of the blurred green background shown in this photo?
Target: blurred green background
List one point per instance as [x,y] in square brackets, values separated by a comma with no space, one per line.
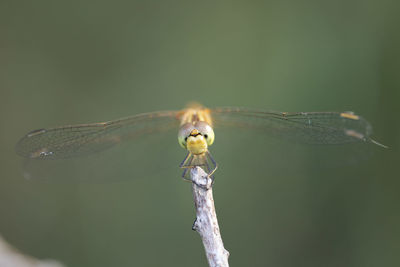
[278,204]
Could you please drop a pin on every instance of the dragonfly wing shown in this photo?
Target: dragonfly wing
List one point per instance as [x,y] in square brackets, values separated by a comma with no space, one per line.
[84,139]
[302,127]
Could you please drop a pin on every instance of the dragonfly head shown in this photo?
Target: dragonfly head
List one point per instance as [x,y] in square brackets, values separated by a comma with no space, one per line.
[196,137]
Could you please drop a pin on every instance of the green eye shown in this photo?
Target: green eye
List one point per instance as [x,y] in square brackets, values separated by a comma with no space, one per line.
[183,134]
[206,131]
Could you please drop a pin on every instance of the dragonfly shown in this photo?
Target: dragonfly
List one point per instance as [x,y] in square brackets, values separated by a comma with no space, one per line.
[195,125]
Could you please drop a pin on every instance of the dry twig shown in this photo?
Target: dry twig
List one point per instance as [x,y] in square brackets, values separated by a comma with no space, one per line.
[206,223]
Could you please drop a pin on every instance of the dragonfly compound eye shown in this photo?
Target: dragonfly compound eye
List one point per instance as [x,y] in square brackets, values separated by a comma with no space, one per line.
[206,131]
[183,134]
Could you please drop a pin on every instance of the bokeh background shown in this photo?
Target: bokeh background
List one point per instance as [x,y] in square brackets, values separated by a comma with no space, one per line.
[278,204]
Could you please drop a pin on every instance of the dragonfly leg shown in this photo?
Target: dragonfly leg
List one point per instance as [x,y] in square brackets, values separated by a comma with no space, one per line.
[185,165]
[211,173]
[191,161]
[186,179]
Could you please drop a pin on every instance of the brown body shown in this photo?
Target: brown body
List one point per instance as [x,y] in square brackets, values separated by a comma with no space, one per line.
[195,112]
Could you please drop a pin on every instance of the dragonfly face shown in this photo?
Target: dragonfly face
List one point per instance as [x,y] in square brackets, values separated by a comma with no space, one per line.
[196,137]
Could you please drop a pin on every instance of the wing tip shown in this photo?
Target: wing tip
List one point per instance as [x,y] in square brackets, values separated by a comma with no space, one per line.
[377,143]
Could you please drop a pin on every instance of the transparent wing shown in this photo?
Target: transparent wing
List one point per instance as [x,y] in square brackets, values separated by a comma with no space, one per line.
[79,140]
[302,127]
